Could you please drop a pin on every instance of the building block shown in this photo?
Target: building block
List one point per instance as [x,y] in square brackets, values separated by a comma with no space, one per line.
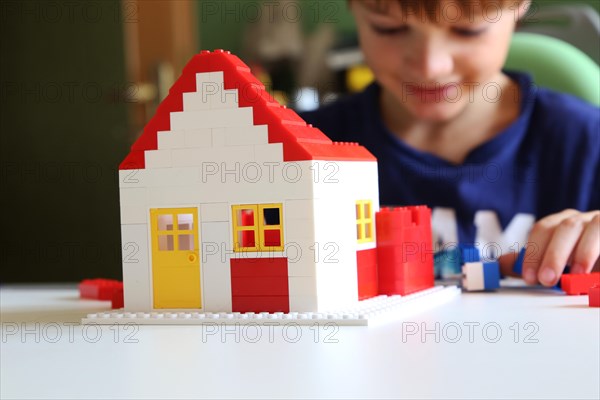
[472,278]
[491,275]
[303,286]
[303,302]
[131,215]
[518,266]
[257,286]
[259,267]
[255,135]
[479,276]
[404,250]
[237,117]
[158,159]
[133,196]
[171,139]
[118,299]
[468,253]
[99,289]
[201,137]
[203,79]
[594,296]
[195,101]
[226,99]
[578,284]
[214,212]
[368,284]
[272,152]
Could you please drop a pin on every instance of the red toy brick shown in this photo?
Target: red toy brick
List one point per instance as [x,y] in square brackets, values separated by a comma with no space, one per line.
[259,267]
[99,289]
[577,284]
[308,134]
[404,250]
[259,286]
[118,300]
[594,296]
[333,151]
[366,261]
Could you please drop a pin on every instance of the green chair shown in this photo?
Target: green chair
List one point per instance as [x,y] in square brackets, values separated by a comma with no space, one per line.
[555,64]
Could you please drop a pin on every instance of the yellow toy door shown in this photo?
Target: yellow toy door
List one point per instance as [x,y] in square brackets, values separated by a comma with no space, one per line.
[175,258]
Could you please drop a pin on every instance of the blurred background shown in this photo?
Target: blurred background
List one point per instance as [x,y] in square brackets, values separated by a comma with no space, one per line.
[80,79]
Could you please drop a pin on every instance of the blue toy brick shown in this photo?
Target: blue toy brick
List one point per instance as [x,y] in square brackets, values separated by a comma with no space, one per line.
[518,267]
[469,253]
[491,275]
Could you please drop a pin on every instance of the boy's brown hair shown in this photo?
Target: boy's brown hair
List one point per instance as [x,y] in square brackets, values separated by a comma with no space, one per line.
[435,10]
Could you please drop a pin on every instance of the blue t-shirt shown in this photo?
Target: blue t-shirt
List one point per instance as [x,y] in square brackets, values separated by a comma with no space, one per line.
[544,162]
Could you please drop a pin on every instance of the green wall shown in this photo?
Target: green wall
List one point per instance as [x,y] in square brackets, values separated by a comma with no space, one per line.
[62,134]
[223,23]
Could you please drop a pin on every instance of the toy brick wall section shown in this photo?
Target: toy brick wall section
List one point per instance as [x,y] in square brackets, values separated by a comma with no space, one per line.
[368,284]
[211,123]
[404,250]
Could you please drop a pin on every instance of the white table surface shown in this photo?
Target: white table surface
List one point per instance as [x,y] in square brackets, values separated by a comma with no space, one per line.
[559,359]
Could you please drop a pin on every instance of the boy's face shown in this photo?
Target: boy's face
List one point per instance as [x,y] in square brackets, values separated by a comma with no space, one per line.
[435,69]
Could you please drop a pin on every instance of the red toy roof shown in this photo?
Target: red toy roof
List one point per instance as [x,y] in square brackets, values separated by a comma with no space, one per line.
[300,141]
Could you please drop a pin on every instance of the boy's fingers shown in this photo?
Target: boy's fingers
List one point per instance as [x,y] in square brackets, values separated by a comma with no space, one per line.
[538,241]
[561,245]
[588,249]
[536,246]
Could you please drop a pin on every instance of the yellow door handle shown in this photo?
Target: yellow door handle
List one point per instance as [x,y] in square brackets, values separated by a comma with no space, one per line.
[192,258]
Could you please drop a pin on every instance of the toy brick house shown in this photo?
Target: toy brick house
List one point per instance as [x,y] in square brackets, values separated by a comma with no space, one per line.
[231,202]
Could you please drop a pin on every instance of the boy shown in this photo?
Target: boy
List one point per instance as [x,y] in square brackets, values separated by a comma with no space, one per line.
[450,129]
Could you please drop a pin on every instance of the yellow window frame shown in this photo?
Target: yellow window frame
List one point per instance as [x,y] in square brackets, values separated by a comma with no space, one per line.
[262,227]
[364,221]
[175,232]
[258,228]
[237,228]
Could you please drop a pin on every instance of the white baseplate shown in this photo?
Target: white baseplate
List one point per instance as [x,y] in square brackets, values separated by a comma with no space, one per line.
[368,312]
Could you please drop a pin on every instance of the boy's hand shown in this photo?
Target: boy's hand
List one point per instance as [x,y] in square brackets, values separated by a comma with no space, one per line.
[569,238]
